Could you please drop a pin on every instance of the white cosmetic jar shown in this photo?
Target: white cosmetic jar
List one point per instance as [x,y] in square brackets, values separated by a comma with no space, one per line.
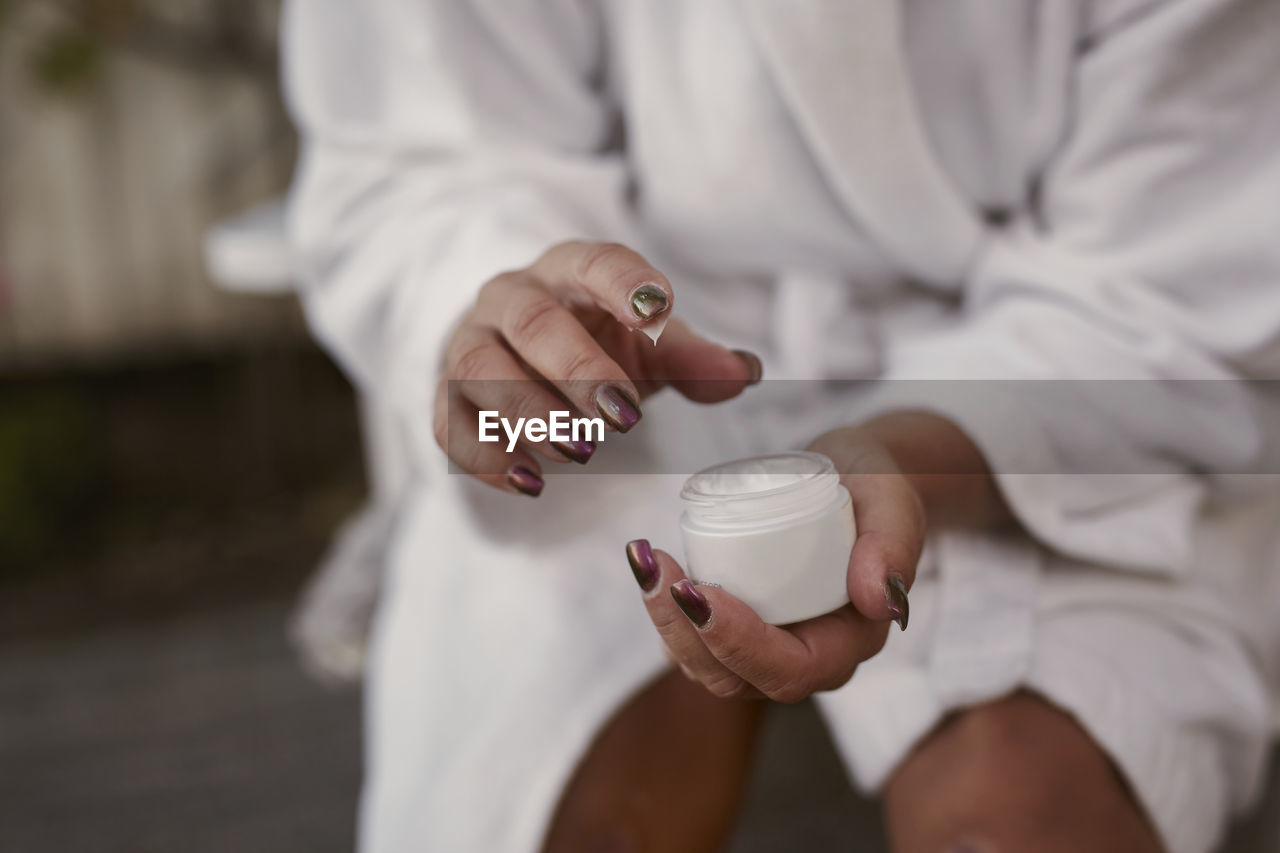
[776,531]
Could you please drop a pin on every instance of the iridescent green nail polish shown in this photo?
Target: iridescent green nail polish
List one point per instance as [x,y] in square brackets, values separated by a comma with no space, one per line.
[648,301]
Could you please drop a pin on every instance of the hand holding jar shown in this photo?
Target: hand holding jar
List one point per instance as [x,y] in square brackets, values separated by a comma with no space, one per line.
[900,472]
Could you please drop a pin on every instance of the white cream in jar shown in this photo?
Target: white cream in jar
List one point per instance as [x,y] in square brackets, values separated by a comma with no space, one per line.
[776,531]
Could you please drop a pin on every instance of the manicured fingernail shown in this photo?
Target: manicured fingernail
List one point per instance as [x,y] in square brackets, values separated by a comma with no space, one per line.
[895,593]
[691,602]
[643,564]
[524,480]
[754,368]
[648,301]
[578,451]
[617,407]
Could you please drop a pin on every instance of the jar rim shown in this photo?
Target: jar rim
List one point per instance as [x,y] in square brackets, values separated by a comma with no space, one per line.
[819,467]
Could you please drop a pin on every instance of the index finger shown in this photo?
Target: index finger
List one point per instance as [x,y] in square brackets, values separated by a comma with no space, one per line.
[609,276]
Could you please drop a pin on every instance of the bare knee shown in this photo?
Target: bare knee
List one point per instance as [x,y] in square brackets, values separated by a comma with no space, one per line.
[1014,774]
[665,774]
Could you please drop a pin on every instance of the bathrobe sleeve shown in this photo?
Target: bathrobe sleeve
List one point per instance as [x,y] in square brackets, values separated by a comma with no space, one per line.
[443,141]
[1151,253]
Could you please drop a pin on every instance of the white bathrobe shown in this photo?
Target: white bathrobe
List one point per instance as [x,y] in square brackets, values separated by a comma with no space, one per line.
[1030,190]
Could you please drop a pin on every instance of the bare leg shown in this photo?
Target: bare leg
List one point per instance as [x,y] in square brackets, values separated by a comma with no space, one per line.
[1016,774]
[665,775]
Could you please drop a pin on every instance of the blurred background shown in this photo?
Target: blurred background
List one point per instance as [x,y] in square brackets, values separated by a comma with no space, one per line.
[175,456]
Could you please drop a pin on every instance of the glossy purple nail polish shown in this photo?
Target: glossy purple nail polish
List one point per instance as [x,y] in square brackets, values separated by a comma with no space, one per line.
[895,593]
[643,564]
[524,480]
[578,451]
[754,367]
[691,602]
[617,407]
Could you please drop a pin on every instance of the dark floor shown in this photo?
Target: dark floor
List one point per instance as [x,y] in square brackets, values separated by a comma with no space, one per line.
[191,734]
[198,733]
[149,700]
[156,523]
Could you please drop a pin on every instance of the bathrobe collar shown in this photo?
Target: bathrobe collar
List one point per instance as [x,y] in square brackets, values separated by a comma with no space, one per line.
[841,67]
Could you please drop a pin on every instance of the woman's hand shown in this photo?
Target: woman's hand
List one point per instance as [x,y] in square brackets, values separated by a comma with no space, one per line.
[901,472]
[564,331]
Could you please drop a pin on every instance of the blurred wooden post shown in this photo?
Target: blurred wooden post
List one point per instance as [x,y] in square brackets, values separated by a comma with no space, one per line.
[105,197]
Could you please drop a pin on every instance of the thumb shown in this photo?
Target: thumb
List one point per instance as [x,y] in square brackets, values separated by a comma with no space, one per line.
[701,370]
[890,521]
